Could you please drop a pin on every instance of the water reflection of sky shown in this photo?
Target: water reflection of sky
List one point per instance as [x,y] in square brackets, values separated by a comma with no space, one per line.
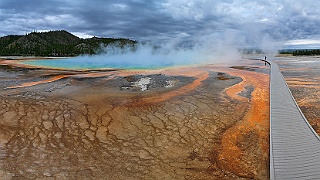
[304,66]
[307,61]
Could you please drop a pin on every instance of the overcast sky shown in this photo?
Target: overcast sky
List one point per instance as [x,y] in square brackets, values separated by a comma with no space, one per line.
[292,23]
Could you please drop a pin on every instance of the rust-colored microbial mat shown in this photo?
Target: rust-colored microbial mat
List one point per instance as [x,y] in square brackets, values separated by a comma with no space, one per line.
[200,122]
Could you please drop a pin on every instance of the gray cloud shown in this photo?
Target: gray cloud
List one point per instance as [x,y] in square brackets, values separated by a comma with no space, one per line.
[250,21]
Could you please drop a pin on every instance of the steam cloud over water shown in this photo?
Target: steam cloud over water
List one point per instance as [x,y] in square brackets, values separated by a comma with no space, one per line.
[204,49]
[144,57]
[170,54]
[147,56]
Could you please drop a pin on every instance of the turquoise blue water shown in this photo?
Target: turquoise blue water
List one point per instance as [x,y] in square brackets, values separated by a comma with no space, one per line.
[98,63]
[115,61]
[71,64]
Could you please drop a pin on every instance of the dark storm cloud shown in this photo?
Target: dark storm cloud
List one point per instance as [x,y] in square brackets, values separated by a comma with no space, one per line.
[280,20]
[134,19]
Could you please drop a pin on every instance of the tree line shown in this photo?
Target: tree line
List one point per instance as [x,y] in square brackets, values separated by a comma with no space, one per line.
[56,43]
[306,52]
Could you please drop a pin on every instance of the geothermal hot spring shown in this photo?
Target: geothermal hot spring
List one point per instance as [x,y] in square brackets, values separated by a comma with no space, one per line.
[143,58]
[99,62]
[184,122]
[113,61]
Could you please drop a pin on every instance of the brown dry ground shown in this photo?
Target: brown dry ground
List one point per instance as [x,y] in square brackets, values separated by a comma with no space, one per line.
[213,124]
[302,75]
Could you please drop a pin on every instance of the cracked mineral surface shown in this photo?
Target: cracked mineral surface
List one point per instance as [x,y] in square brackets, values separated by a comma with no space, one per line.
[206,122]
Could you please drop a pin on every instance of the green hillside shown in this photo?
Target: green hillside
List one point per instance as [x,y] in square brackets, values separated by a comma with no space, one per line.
[56,43]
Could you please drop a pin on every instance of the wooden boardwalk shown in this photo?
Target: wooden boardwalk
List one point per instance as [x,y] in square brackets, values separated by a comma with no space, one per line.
[294,145]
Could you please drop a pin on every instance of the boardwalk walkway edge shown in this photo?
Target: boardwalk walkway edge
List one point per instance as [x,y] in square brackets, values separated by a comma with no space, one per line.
[287,157]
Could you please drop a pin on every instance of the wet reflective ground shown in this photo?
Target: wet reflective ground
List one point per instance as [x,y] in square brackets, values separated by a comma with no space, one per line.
[209,122]
[302,75]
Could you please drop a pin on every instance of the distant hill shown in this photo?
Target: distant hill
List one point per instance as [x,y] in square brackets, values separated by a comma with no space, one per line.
[56,43]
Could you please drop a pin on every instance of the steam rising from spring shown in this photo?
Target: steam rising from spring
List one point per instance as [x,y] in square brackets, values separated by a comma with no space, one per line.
[167,54]
[207,49]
